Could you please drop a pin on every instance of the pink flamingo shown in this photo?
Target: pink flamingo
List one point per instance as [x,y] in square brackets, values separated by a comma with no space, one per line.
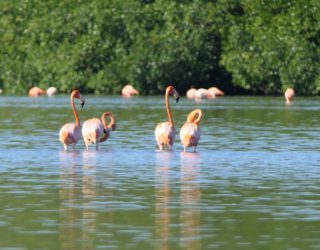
[165,132]
[129,90]
[190,131]
[36,91]
[70,133]
[215,92]
[52,91]
[96,130]
[191,93]
[202,94]
[289,95]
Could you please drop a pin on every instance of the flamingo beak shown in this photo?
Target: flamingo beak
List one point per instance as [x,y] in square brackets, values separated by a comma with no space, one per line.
[82,101]
[176,95]
[112,127]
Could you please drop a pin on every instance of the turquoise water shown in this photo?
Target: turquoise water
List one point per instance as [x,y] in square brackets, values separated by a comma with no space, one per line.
[253,183]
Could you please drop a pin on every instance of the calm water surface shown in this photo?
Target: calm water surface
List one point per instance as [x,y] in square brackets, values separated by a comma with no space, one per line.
[253,184]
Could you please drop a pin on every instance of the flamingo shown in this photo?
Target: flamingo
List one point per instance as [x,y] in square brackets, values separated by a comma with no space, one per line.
[202,94]
[165,132]
[96,130]
[190,93]
[36,91]
[70,133]
[289,95]
[190,131]
[129,90]
[51,91]
[215,92]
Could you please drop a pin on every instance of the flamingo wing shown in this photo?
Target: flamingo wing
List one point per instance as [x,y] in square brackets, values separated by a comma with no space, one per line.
[70,133]
[190,134]
[92,130]
[165,133]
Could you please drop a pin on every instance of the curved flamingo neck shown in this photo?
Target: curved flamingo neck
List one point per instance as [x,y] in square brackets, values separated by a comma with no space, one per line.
[75,111]
[168,107]
[103,120]
[107,128]
[195,116]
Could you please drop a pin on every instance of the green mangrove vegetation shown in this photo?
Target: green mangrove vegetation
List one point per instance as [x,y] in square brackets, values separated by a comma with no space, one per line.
[240,46]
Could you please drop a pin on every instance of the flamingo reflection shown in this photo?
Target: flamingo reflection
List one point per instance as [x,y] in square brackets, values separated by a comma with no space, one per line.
[190,201]
[163,196]
[78,185]
[67,196]
[88,197]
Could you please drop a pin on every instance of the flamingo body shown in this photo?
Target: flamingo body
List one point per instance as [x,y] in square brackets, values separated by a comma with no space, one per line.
[128,91]
[191,93]
[96,130]
[165,134]
[92,131]
[69,134]
[201,94]
[51,91]
[36,91]
[190,134]
[215,92]
[289,95]
[190,131]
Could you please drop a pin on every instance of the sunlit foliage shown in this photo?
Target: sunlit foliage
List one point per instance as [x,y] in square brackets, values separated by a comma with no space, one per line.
[98,46]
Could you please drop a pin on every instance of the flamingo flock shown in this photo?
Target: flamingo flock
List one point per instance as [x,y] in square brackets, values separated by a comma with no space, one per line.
[96,130]
[199,94]
[36,91]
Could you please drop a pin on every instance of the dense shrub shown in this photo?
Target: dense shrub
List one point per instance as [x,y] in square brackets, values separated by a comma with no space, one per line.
[98,46]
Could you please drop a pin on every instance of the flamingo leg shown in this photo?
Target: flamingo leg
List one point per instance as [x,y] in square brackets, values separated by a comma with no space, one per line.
[73,146]
[65,147]
[195,148]
[97,146]
[184,149]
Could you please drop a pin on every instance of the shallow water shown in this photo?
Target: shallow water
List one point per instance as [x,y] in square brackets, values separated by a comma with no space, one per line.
[253,183]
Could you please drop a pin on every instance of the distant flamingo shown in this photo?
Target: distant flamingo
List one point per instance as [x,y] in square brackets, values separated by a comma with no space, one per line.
[202,94]
[191,93]
[190,131]
[51,91]
[289,95]
[215,92]
[36,91]
[165,132]
[129,90]
[96,130]
[70,133]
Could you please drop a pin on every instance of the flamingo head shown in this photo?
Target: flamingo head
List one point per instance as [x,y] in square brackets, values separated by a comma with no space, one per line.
[172,91]
[112,126]
[76,94]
